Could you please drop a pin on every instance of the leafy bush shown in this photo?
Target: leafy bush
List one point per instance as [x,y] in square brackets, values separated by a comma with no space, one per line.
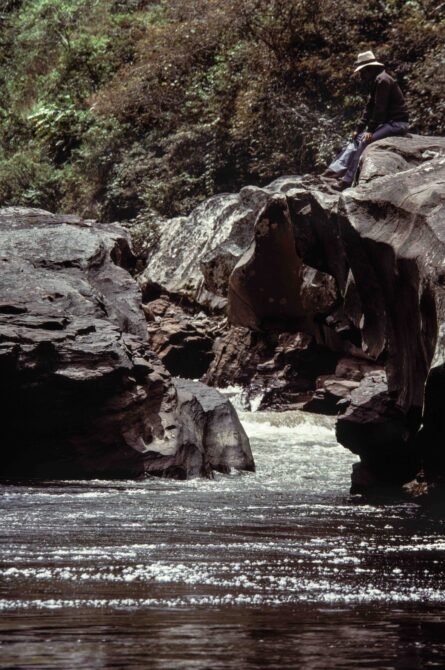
[28,181]
[59,129]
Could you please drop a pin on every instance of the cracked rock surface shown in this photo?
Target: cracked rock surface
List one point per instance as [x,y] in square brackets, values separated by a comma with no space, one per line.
[83,395]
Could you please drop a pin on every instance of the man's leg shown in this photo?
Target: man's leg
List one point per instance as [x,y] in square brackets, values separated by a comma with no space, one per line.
[390,129]
[384,130]
[348,177]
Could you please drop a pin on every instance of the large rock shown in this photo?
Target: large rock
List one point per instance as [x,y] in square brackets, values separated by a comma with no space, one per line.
[393,230]
[360,275]
[377,430]
[196,254]
[383,244]
[211,429]
[264,287]
[82,393]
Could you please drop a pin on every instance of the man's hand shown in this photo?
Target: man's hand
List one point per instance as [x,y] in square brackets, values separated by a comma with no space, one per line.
[367,137]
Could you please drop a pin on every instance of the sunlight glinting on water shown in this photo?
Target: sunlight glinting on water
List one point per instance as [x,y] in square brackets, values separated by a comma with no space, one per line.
[287,534]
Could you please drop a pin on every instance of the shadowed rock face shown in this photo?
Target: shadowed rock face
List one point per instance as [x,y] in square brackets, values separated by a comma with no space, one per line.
[264,287]
[182,339]
[393,230]
[82,393]
[278,370]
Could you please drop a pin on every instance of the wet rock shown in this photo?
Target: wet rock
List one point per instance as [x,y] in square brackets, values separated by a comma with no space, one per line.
[210,423]
[393,229]
[264,287]
[183,340]
[236,355]
[277,370]
[331,396]
[333,393]
[271,289]
[376,429]
[429,440]
[83,395]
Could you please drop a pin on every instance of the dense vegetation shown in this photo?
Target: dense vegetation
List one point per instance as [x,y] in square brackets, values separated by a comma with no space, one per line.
[121,108]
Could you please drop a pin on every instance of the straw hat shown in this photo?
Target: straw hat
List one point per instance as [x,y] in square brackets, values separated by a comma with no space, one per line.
[364,59]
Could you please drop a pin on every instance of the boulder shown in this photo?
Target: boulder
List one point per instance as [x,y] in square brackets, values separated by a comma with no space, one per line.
[393,231]
[196,254]
[83,395]
[211,426]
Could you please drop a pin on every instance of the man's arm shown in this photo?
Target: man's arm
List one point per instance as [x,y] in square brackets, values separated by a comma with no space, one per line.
[381,100]
[365,117]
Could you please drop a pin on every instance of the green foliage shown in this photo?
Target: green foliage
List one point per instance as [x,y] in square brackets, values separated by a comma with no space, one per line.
[122,108]
[27,180]
[59,129]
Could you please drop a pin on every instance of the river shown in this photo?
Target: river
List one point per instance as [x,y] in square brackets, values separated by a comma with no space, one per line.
[277,569]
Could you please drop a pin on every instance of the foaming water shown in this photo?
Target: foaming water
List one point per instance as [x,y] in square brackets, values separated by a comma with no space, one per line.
[281,568]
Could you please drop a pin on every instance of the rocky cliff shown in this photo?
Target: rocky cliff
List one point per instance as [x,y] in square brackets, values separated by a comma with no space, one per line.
[393,230]
[82,393]
[335,303]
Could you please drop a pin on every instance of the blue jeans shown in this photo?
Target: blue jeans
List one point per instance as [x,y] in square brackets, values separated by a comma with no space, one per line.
[384,130]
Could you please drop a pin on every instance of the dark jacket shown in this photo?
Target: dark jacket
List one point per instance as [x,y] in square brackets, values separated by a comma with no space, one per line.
[386,103]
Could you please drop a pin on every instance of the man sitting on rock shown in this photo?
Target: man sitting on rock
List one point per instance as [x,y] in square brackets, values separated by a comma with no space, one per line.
[385,114]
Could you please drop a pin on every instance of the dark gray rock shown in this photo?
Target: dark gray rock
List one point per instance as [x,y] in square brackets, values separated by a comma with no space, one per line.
[318,292]
[393,230]
[278,370]
[264,287]
[83,395]
[376,429]
[182,339]
[210,423]
[333,393]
